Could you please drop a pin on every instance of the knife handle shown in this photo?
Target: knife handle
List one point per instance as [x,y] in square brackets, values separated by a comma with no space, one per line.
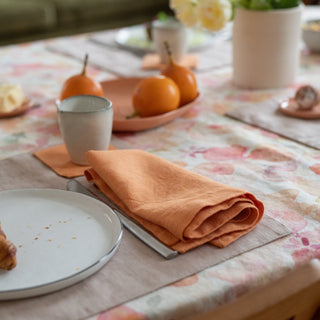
[146,237]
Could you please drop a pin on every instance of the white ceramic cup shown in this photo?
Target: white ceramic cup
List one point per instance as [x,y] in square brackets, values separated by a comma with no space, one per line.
[175,34]
[86,124]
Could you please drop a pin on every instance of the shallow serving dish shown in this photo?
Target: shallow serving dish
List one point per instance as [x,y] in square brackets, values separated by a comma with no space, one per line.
[135,38]
[120,92]
[290,108]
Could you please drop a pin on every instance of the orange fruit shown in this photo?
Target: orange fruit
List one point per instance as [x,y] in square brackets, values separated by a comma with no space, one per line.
[155,95]
[80,84]
[184,78]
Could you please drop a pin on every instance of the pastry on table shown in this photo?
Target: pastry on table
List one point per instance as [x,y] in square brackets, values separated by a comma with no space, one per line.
[11,97]
[8,251]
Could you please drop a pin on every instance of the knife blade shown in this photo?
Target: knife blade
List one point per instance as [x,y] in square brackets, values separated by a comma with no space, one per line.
[139,232]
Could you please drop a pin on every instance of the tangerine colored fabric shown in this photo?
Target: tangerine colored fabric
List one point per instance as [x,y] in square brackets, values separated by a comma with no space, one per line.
[181,208]
[152,61]
[58,159]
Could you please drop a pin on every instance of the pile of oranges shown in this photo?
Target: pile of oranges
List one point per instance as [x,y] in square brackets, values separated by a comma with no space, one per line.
[173,88]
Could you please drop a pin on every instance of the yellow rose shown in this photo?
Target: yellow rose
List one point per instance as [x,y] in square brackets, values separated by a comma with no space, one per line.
[213,15]
[186,11]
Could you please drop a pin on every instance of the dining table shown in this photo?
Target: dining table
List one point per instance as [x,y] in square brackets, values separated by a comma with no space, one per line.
[231,135]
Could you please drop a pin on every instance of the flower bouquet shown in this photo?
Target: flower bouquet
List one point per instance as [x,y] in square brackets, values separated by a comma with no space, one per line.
[265,38]
[213,15]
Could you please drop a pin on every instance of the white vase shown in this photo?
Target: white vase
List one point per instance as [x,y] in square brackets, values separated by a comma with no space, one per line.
[266,47]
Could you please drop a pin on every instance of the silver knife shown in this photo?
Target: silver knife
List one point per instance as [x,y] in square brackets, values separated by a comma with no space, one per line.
[139,232]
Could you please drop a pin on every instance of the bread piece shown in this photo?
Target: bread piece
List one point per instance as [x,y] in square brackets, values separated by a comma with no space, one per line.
[11,97]
[8,251]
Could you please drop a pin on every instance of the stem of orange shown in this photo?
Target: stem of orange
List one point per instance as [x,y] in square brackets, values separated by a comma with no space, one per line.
[166,44]
[83,73]
[132,115]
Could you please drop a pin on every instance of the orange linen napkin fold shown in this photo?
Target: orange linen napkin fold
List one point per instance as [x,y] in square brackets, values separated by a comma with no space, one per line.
[181,208]
[58,159]
[152,61]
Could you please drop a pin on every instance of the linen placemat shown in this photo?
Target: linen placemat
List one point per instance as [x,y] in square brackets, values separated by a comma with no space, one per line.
[267,116]
[120,62]
[133,271]
[208,57]
[153,61]
[126,63]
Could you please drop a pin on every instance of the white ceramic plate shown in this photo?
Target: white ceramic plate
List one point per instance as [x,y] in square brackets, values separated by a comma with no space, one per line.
[135,38]
[61,238]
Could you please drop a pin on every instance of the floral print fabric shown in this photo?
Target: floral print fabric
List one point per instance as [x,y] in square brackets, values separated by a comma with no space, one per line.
[285,175]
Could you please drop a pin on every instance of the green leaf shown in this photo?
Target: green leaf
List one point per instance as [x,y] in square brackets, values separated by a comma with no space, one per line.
[243,3]
[260,5]
[162,16]
[284,4]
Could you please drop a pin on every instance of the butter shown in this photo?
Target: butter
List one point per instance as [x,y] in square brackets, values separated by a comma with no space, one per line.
[11,97]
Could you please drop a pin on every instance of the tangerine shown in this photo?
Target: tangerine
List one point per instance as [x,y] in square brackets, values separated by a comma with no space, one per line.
[155,95]
[183,77]
[80,84]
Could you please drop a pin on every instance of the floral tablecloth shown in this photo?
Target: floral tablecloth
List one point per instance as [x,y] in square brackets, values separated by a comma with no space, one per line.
[282,173]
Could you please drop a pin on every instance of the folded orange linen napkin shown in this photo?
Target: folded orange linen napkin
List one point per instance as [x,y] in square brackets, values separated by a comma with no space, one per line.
[152,61]
[181,208]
